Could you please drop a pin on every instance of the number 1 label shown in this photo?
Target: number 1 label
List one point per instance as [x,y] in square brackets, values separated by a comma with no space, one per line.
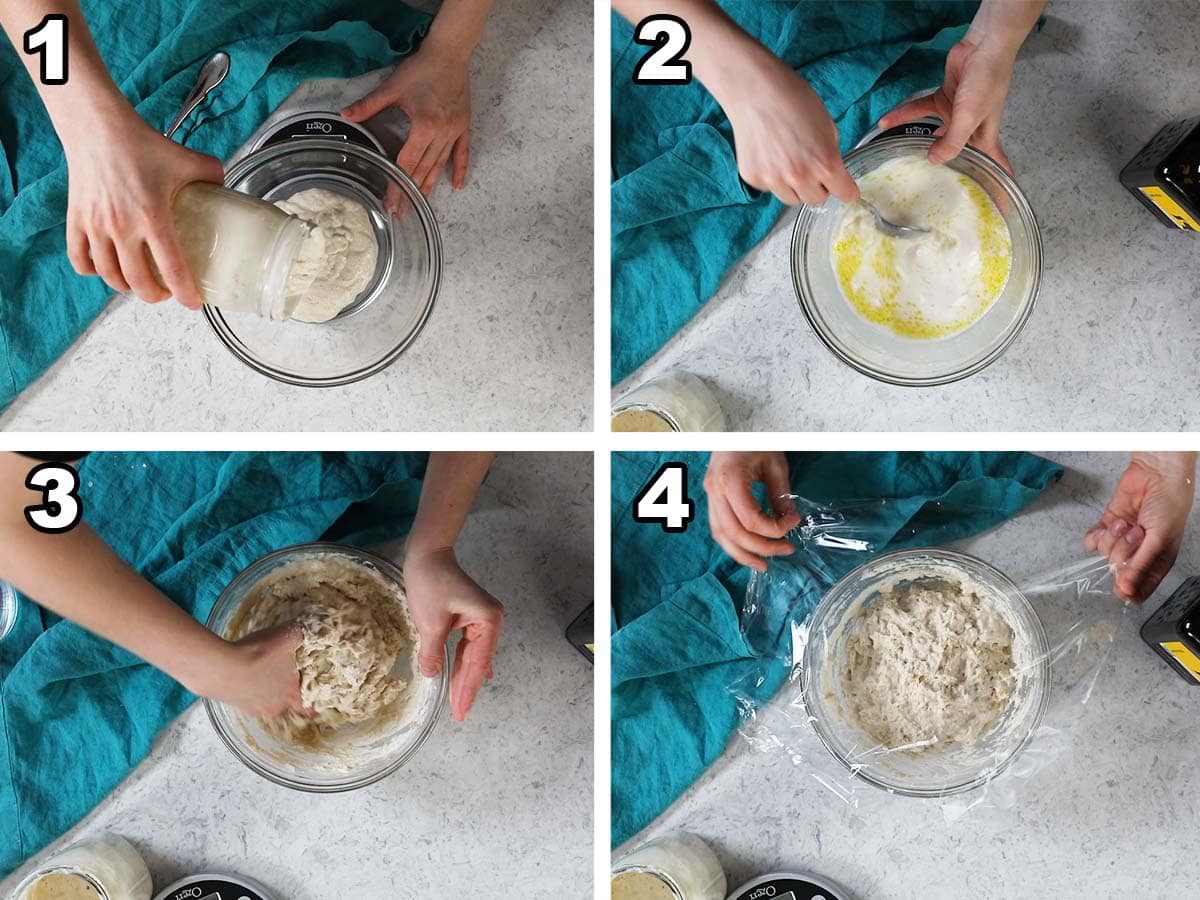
[49,41]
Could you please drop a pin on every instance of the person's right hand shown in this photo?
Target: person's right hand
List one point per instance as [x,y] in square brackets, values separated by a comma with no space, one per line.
[1142,527]
[735,518]
[785,141]
[259,674]
[121,185]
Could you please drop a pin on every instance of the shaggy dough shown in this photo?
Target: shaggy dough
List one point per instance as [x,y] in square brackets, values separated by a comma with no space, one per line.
[337,261]
[356,626]
[928,660]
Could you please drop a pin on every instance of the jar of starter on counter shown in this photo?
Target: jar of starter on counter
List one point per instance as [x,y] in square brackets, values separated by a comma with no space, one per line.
[674,866]
[677,401]
[103,868]
[240,249]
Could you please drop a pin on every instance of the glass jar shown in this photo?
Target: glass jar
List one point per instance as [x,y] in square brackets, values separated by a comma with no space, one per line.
[677,401]
[240,249]
[103,868]
[674,866]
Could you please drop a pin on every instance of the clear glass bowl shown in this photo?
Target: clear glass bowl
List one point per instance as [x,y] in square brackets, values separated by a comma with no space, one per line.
[934,771]
[372,332]
[875,350]
[358,756]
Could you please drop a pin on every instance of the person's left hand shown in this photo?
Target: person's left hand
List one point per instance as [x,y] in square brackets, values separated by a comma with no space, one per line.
[1142,528]
[443,598]
[970,101]
[433,89]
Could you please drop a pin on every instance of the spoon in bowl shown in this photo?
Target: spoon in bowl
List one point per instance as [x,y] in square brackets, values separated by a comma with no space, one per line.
[891,228]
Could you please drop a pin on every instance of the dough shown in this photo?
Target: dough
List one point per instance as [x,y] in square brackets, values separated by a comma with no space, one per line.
[356,626]
[640,886]
[928,661]
[61,886]
[338,260]
[932,285]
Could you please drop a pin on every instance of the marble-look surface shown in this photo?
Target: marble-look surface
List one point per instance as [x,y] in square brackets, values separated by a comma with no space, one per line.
[501,804]
[508,346]
[1113,818]
[1116,328]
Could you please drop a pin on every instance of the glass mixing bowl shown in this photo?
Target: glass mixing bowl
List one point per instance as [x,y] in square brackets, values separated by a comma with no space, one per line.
[875,350]
[934,771]
[371,333]
[357,756]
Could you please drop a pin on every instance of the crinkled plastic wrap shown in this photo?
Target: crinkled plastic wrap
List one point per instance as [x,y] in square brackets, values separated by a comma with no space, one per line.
[800,614]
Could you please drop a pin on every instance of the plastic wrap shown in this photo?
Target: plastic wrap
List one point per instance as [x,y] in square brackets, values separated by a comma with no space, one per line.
[799,616]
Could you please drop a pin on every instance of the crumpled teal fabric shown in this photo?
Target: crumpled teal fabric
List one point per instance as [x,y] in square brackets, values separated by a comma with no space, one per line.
[77,713]
[677,643]
[154,51]
[681,216]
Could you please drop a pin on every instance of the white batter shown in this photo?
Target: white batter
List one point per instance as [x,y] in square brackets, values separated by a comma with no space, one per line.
[356,626]
[338,260]
[928,661]
[932,285]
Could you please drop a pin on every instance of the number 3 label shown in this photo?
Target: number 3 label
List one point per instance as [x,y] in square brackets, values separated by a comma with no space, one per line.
[664,64]
[60,509]
[664,500]
[49,40]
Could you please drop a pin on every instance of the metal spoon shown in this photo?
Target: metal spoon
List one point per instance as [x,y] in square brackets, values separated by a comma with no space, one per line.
[891,228]
[212,73]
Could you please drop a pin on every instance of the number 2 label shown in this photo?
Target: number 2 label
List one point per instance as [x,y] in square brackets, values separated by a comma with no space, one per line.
[670,37]
[664,500]
[49,41]
[60,509]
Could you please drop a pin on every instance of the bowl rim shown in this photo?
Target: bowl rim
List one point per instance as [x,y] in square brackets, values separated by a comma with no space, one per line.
[1043,663]
[391,570]
[799,278]
[433,236]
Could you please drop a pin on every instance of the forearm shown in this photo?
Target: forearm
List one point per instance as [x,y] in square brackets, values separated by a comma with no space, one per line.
[1005,23]
[458,26]
[451,482]
[718,46]
[76,575]
[89,96]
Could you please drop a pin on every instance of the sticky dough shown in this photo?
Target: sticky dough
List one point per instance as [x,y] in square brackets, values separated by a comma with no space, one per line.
[928,661]
[356,626]
[337,261]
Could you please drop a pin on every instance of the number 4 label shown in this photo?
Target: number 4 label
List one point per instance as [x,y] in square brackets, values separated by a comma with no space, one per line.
[49,40]
[664,500]
[670,37]
[60,509]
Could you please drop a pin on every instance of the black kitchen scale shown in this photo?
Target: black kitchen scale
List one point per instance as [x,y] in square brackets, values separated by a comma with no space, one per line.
[215,887]
[789,886]
[315,124]
[1174,631]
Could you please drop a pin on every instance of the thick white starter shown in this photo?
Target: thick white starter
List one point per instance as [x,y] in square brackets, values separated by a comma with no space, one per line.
[928,661]
[339,259]
[932,285]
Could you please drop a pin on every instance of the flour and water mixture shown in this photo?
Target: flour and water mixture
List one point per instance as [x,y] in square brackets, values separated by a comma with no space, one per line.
[928,661]
[927,286]
[356,626]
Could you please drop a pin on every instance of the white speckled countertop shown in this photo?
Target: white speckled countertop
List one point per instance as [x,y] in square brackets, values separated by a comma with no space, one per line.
[509,344]
[1119,821]
[501,804]
[1116,330]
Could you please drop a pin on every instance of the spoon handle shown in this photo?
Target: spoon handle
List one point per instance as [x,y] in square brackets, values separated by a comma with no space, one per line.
[212,73]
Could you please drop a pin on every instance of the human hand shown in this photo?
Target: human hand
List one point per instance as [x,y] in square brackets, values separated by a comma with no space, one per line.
[432,87]
[442,599]
[122,183]
[1142,528]
[737,522]
[970,101]
[785,141]
[258,674]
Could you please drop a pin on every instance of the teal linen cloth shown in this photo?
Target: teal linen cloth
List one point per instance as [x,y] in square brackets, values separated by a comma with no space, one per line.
[77,713]
[681,216]
[677,643]
[154,51]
